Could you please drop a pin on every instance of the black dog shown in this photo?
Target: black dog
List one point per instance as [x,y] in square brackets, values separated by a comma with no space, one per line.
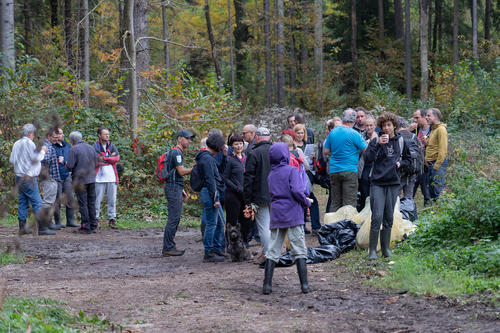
[236,249]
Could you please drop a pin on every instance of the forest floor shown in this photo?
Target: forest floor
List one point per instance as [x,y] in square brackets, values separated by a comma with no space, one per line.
[120,275]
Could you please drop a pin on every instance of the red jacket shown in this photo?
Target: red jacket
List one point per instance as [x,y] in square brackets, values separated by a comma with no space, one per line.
[110,159]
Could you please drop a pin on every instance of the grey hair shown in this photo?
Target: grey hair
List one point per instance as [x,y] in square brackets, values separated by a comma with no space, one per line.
[75,136]
[349,116]
[28,128]
[214,131]
[372,118]
[402,122]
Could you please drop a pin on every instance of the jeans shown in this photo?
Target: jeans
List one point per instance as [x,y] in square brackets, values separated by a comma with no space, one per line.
[297,243]
[314,209]
[110,189]
[28,192]
[214,229]
[86,202]
[263,219]
[344,189]
[174,206]
[382,202]
[437,179]
[65,186]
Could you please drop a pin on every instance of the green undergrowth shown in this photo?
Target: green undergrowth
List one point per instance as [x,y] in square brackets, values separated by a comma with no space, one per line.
[47,316]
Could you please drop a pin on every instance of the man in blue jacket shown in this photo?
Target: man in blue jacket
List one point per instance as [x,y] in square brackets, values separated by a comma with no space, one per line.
[65,186]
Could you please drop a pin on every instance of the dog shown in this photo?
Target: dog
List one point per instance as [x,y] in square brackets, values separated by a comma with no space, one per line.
[236,249]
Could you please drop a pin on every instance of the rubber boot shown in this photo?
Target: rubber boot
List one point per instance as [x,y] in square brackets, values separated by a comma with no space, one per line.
[302,270]
[44,230]
[385,241]
[70,218]
[268,277]
[23,229]
[53,226]
[372,249]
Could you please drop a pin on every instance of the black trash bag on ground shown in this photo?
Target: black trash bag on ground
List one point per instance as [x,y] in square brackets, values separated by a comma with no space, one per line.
[315,255]
[342,234]
[408,209]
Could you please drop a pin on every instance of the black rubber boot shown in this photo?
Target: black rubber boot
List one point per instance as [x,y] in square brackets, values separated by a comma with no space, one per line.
[23,229]
[302,270]
[268,277]
[70,218]
[385,241]
[44,230]
[53,226]
[372,249]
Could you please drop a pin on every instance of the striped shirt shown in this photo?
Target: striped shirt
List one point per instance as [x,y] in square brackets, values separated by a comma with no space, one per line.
[25,158]
[50,161]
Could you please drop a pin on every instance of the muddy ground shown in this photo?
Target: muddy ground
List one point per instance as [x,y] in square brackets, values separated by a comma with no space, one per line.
[121,275]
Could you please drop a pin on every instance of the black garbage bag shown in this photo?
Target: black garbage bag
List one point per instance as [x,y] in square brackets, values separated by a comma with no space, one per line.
[342,234]
[315,255]
[408,209]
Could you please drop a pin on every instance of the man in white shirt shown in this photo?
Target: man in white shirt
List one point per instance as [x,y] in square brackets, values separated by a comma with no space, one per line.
[27,166]
[106,175]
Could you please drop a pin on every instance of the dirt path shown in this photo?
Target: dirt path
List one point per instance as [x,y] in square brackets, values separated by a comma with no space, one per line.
[121,275]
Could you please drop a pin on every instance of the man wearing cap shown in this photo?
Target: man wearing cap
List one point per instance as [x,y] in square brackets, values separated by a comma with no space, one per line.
[174,192]
[256,189]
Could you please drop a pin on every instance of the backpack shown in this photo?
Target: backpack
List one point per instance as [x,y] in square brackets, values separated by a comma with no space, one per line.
[162,171]
[321,160]
[416,156]
[195,181]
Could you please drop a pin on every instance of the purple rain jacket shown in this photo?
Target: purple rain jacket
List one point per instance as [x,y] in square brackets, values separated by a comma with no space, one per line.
[285,187]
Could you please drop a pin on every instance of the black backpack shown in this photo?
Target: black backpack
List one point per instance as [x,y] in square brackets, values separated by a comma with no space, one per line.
[195,181]
[416,156]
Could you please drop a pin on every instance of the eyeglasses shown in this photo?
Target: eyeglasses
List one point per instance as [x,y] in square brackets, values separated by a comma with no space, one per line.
[243,133]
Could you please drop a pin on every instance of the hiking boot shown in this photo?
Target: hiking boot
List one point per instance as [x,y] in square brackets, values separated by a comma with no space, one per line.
[112,224]
[23,228]
[255,242]
[306,231]
[172,253]
[223,254]
[315,231]
[212,257]
[260,259]
[82,231]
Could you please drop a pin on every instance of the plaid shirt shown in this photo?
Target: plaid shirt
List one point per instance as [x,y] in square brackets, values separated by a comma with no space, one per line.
[50,161]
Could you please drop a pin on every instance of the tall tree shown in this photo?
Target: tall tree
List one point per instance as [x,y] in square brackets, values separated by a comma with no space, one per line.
[141,29]
[133,106]
[423,51]
[68,27]
[28,26]
[86,52]
[212,42]
[381,22]
[241,36]
[354,50]
[293,56]
[429,22]
[455,32]
[231,44]
[398,19]
[487,22]
[437,22]
[8,53]
[54,8]
[318,42]
[304,48]
[408,50]
[280,93]
[267,53]
[474,29]
[166,48]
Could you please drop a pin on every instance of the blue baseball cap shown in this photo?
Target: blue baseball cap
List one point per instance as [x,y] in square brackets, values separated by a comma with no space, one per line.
[185,134]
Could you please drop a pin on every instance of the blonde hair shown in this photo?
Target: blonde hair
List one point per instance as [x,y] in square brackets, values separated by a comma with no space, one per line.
[285,138]
[299,127]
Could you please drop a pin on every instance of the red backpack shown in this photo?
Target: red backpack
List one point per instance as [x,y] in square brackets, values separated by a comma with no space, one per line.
[162,171]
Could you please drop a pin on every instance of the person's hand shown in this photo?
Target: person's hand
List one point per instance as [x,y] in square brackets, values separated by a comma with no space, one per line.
[383,139]
[310,200]
[113,154]
[217,204]
[412,127]
[44,149]
[425,140]
[184,196]
[398,164]
[374,135]
[225,150]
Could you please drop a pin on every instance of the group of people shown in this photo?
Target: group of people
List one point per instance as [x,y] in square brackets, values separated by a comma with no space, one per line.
[65,168]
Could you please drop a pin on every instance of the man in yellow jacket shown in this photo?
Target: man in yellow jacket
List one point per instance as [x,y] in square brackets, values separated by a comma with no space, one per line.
[436,147]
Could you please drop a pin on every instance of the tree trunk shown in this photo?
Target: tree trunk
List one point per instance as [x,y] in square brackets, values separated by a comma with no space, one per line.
[408,50]
[293,57]
[241,36]
[28,26]
[212,43]
[455,32]
[398,19]
[304,50]
[487,23]
[124,96]
[68,27]
[354,49]
[166,46]
[86,52]
[280,96]
[423,51]
[133,109]
[474,30]
[429,21]
[267,52]
[231,45]
[437,21]
[141,29]
[318,43]
[8,59]
[275,19]
[54,18]
[381,24]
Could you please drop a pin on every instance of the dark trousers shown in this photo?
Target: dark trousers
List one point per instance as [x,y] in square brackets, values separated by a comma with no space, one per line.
[66,187]
[437,179]
[314,209]
[364,188]
[86,202]
[344,189]
[423,181]
[382,202]
[234,214]
[174,205]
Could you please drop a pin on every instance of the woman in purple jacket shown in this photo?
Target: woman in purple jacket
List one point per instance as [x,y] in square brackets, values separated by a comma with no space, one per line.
[287,203]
